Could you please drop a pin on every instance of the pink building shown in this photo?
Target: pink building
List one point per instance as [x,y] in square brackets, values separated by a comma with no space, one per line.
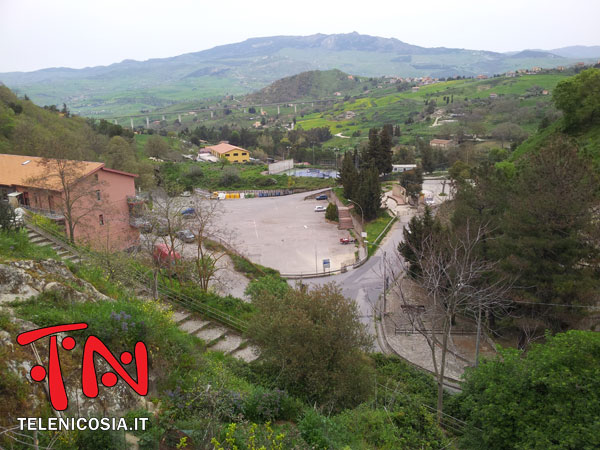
[86,194]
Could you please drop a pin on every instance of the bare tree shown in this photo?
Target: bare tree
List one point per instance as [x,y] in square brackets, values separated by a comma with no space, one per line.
[77,190]
[456,279]
[208,229]
[163,222]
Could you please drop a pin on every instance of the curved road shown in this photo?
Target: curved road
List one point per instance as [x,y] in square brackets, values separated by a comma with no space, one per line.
[365,284]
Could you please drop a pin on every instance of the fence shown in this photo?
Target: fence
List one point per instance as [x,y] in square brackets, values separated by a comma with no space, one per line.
[143,278]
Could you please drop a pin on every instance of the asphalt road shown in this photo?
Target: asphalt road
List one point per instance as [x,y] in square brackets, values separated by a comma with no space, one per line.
[365,284]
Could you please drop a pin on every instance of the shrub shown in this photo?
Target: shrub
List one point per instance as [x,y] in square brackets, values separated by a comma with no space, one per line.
[331,213]
[230,176]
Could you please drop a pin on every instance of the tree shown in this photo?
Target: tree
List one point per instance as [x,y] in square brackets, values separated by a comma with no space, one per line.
[384,163]
[156,147]
[509,132]
[412,182]
[207,260]
[8,218]
[419,230]
[348,176]
[549,228]
[164,222]
[455,278]
[368,193]
[547,398]
[315,342]
[331,213]
[578,98]
[427,159]
[78,189]
[379,149]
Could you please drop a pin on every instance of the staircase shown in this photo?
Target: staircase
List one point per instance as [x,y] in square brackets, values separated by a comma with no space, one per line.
[39,238]
[345,219]
[217,337]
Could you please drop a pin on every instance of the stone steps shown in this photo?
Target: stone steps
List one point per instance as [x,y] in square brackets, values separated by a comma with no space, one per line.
[217,337]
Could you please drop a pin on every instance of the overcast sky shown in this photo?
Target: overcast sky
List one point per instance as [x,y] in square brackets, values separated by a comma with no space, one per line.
[36,34]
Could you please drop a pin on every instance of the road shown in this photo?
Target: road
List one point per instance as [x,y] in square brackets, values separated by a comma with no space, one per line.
[365,284]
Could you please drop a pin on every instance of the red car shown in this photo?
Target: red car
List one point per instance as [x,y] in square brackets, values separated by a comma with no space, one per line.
[164,255]
[346,241]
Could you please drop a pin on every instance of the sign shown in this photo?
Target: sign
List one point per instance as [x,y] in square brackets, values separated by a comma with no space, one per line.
[89,380]
[326,264]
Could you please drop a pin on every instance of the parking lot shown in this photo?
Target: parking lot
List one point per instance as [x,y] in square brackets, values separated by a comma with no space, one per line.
[285,233]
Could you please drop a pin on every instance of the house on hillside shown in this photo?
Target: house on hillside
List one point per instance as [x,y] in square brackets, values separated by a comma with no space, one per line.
[97,199]
[444,144]
[230,152]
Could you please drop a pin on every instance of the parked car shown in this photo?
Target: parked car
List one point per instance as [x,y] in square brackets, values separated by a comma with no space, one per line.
[186,236]
[165,255]
[186,194]
[321,197]
[346,241]
[320,208]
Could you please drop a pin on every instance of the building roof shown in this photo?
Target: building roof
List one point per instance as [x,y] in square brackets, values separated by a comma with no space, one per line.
[18,170]
[223,148]
[440,141]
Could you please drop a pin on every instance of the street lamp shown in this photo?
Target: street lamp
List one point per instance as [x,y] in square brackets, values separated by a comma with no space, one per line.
[362,216]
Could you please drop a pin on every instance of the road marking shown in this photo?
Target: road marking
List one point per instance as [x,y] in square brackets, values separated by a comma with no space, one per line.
[255,229]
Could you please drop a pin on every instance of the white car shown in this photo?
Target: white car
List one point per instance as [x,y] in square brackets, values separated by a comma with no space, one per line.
[320,208]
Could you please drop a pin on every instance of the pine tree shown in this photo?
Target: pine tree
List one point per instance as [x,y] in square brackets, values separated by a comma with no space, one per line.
[384,162]
[372,153]
[368,194]
[348,176]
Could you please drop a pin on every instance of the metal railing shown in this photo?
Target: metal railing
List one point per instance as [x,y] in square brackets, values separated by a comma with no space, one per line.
[143,278]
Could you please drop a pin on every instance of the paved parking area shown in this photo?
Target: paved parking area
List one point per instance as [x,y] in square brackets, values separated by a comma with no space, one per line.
[285,233]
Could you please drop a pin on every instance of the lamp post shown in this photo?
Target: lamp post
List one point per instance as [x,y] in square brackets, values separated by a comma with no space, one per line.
[362,216]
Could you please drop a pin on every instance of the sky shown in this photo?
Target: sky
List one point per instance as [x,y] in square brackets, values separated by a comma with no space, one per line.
[36,34]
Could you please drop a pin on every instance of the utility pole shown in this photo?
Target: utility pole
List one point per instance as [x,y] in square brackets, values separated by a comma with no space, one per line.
[147,122]
[131,119]
[295,109]
[384,281]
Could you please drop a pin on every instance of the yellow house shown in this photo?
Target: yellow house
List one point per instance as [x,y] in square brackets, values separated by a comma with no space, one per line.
[231,152]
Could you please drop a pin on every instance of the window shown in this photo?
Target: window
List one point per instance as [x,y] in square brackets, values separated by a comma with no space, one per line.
[98,195]
[101,219]
[235,154]
[244,154]
[96,176]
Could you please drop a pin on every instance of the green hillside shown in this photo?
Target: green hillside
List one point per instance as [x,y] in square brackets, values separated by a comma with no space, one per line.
[311,85]
[520,100]
[131,87]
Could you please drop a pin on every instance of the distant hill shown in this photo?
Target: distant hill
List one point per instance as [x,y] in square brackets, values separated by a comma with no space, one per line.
[130,87]
[314,84]
[534,54]
[578,51]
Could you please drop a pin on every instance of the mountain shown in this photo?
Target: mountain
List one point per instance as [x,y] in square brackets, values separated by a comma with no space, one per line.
[314,84]
[131,87]
[578,51]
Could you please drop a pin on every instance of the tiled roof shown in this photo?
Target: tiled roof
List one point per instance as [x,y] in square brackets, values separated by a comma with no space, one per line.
[224,148]
[17,170]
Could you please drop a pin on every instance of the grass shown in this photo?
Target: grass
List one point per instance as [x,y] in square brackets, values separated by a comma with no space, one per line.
[374,228]
[249,177]
[15,245]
